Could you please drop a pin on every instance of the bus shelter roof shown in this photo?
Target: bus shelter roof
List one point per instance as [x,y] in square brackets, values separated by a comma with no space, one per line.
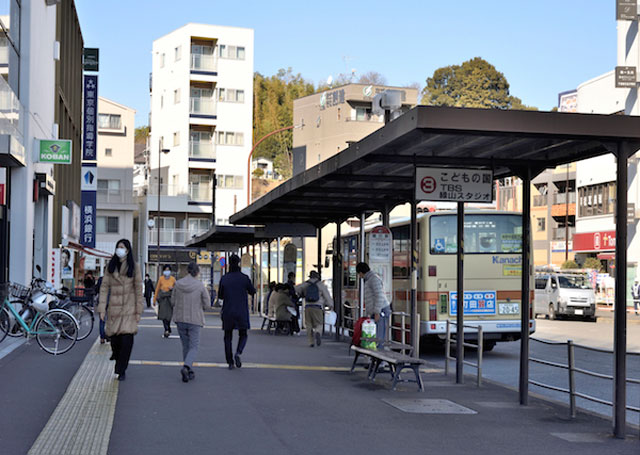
[378,171]
[224,238]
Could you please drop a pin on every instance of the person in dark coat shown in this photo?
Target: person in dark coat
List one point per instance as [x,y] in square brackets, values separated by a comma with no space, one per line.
[148,289]
[233,290]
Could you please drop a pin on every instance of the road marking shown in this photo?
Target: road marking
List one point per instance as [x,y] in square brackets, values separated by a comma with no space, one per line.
[156,326]
[82,421]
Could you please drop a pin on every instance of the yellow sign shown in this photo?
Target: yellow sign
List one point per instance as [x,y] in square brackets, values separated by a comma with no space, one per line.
[204,258]
[512,270]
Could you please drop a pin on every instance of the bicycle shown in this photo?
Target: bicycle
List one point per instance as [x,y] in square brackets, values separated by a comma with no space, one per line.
[56,331]
[81,311]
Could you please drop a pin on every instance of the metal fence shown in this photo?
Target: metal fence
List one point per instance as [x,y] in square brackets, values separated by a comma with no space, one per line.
[479,347]
[572,370]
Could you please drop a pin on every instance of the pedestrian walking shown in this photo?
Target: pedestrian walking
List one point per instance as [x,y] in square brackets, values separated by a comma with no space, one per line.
[376,303]
[233,290]
[122,288]
[189,299]
[316,298]
[163,298]
[635,294]
[148,289]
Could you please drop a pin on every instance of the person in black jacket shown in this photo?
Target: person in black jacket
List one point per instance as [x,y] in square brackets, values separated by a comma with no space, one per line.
[233,290]
[148,289]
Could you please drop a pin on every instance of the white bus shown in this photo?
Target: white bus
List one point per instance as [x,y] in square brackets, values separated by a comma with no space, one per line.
[492,273]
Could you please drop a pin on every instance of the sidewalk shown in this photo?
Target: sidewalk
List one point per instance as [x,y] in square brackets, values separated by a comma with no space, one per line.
[290,398]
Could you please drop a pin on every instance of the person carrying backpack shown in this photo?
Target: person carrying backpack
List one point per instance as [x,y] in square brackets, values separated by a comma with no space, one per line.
[316,297]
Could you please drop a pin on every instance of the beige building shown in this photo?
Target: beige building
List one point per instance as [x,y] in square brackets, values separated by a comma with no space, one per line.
[116,205]
[330,121]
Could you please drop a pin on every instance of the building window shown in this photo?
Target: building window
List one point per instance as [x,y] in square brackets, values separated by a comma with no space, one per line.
[542,224]
[202,57]
[232,52]
[229,138]
[596,200]
[176,96]
[230,95]
[230,182]
[161,101]
[108,152]
[178,53]
[165,222]
[240,53]
[363,114]
[176,138]
[109,121]
[108,186]
[161,60]
[198,225]
[107,224]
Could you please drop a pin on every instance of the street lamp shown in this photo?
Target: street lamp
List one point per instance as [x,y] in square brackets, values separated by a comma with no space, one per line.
[160,152]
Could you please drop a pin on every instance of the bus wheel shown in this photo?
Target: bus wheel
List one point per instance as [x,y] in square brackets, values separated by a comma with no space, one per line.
[488,346]
[552,312]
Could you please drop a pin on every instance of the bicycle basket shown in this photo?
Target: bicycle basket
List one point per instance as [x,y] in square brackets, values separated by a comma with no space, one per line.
[18,291]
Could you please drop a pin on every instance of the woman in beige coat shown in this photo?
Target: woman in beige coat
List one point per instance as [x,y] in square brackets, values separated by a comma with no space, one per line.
[189,299]
[121,301]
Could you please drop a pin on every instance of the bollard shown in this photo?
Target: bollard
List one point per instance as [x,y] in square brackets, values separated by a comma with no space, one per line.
[572,383]
[480,353]
[447,347]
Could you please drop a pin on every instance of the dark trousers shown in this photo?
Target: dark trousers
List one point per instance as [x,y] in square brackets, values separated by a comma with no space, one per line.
[167,325]
[148,299]
[242,342]
[121,346]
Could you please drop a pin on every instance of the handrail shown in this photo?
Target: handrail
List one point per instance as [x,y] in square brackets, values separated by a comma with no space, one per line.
[479,348]
[572,369]
[402,328]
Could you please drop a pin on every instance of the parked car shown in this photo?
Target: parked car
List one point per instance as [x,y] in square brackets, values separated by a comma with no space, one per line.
[564,294]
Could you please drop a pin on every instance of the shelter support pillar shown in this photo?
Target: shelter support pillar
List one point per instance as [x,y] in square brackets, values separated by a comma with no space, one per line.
[254,277]
[362,259]
[278,272]
[386,216]
[268,262]
[525,304]
[460,294]
[261,289]
[337,280]
[319,251]
[620,307]
[415,317]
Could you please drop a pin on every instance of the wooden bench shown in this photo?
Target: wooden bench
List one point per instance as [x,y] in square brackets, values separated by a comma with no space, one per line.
[396,360]
[273,323]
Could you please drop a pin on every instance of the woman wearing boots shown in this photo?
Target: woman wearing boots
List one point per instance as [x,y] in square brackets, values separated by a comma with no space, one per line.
[163,298]
[122,285]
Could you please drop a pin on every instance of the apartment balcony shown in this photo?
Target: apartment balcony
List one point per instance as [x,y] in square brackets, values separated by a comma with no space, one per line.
[560,233]
[561,198]
[202,110]
[118,197]
[540,200]
[12,115]
[563,203]
[204,63]
[171,237]
[199,150]
[200,193]
[166,190]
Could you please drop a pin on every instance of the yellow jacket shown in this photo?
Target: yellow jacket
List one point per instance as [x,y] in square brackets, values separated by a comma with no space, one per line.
[164,284]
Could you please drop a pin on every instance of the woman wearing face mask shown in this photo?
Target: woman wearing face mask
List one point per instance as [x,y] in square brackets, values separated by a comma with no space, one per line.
[122,287]
[163,299]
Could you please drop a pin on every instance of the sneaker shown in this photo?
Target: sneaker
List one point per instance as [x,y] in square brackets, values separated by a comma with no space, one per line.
[102,340]
[121,377]
[113,356]
[238,361]
[231,367]
[166,334]
[192,375]
[318,339]
[185,374]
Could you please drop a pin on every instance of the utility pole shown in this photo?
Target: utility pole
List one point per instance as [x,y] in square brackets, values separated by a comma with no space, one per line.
[160,152]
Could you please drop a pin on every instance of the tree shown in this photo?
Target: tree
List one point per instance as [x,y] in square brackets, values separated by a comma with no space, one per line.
[141,134]
[570,264]
[372,78]
[593,263]
[475,83]
[272,110]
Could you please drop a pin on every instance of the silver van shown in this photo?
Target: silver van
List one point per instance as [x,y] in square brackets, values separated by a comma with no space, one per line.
[564,294]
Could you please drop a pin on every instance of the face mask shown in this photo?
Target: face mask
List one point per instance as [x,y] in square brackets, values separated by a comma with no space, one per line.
[167,273]
[121,252]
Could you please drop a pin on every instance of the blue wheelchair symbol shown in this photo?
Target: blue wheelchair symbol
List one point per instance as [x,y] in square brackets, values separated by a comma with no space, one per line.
[438,245]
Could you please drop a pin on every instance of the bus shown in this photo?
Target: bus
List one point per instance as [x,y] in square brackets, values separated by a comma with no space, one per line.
[492,273]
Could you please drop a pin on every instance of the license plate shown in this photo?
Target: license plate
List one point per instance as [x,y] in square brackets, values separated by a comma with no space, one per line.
[508,308]
[579,312]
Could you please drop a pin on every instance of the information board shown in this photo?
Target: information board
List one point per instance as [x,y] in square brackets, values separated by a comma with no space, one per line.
[454,185]
[475,302]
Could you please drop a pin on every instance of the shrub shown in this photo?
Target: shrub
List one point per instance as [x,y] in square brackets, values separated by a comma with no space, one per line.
[593,263]
[570,264]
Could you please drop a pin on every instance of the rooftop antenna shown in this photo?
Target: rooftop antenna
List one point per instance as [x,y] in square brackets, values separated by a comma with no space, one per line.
[330,80]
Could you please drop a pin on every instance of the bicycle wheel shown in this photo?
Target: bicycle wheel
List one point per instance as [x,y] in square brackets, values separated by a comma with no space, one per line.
[15,328]
[56,331]
[4,324]
[85,319]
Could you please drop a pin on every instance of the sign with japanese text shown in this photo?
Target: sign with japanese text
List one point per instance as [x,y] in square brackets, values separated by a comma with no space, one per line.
[475,302]
[88,213]
[594,241]
[90,130]
[626,77]
[90,58]
[54,152]
[626,10]
[381,257]
[455,185]
[329,99]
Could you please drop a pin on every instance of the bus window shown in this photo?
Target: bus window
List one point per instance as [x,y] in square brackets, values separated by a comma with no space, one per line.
[401,251]
[486,233]
[349,261]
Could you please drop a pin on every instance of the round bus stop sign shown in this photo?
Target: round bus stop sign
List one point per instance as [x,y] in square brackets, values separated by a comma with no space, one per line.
[428,184]
[222,262]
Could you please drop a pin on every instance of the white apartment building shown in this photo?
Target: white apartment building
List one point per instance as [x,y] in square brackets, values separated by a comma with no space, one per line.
[115,202]
[201,116]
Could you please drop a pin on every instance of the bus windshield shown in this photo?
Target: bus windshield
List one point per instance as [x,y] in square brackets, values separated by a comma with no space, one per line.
[486,233]
[574,282]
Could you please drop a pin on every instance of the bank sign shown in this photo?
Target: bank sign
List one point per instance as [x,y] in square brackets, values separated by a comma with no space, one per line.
[454,185]
[54,152]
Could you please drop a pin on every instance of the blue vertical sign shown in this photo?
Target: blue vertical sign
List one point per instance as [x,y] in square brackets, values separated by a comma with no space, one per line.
[90,136]
[88,185]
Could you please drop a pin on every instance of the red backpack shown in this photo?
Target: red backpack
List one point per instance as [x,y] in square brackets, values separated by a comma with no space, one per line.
[357,331]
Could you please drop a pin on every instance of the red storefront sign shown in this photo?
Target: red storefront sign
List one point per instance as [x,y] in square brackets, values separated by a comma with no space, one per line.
[594,241]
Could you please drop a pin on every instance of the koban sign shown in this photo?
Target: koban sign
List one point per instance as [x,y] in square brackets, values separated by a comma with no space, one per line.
[56,152]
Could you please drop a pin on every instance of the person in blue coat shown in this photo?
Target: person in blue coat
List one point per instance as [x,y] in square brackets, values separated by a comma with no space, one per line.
[233,290]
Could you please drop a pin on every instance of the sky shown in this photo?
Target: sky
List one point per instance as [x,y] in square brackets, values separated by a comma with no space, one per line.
[543,47]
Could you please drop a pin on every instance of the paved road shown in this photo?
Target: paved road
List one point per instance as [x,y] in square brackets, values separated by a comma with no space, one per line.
[502,364]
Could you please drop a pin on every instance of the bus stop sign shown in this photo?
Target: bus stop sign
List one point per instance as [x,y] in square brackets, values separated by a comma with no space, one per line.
[454,185]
